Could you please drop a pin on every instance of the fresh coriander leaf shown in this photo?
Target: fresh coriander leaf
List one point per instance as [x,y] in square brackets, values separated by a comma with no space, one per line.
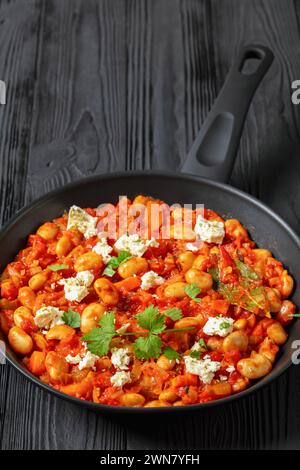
[171,354]
[202,344]
[109,271]
[174,313]
[195,354]
[98,340]
[148,347]
[123,256]
[151,320]
[115,262]
[71,318]
[107,322]
[224,325]
[58,267]
[246,271]
[192,290]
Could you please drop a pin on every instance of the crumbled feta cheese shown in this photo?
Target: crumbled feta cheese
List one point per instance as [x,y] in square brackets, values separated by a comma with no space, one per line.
[88,361]
[123,329]
[192,246]
[85,360]
[104,249]
[73,359]
[134,244]
[120,378]
[151,279]
[230,369]
[85,278]
[196,347]
[220,326]
[205,368]
[120,358]
[48,317]
[76,288]
[211,231]
[84,222]
[223,378]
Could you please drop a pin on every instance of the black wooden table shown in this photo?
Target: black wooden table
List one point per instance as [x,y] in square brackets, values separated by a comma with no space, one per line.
[96,86]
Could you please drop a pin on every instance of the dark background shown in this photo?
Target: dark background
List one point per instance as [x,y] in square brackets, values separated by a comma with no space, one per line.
[98,86]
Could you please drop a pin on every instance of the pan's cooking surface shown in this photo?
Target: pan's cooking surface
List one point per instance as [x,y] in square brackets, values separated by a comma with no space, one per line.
[266,228]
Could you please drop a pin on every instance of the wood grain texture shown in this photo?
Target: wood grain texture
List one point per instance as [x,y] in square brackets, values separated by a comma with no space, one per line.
[97,86]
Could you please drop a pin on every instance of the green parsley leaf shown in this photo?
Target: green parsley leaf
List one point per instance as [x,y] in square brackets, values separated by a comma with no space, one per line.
[192,290]
[99,339]
[246,271]
[123,256]
[174,313]
[151,319]
[109,271]
[58,267]
[148,347]
[171,354]
[224,325]
[195,354]
[115,262]
[71,318]
[202,344]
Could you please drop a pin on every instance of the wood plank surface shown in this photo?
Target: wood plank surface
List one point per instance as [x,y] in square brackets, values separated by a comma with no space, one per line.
[102,85]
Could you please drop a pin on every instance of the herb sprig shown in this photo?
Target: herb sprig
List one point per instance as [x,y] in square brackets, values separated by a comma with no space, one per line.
[192,290]
[58,267]
[147,345]
[115,262]
[71,318]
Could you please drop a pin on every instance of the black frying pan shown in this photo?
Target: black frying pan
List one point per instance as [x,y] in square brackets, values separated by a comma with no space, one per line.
[212,156]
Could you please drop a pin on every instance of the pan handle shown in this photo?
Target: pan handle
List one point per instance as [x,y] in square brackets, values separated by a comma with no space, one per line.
[213,153]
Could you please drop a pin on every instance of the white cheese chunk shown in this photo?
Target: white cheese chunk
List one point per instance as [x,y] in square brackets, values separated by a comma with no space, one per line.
[196,347]
[120,378]
[134,244]
[76,288]
[85,278]
[211,231]
[73,359]
[85,359]
[88,361]
[151,279]
[230,369]
[193,246]
[223,378]
[104,249]
[120,358]
[205,368]
[220,326]
[48,317]
[84,222]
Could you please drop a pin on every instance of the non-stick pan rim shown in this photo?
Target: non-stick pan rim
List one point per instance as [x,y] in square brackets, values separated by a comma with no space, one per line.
[159,174]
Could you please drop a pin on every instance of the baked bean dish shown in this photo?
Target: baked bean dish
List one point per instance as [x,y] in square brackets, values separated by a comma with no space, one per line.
[146,322]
